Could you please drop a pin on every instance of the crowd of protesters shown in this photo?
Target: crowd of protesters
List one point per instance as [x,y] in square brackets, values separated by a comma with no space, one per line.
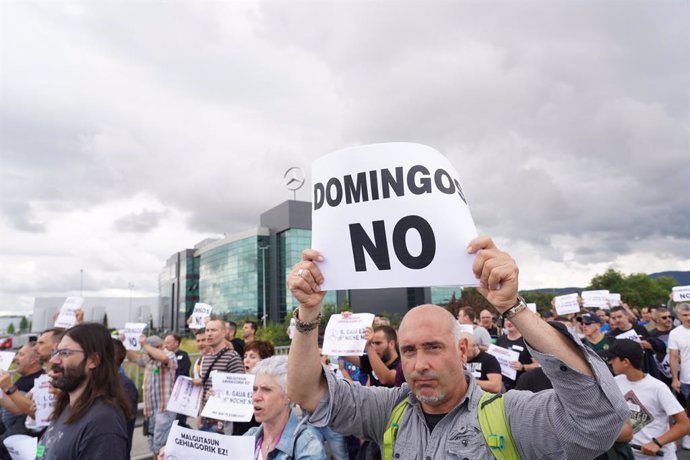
[581,391]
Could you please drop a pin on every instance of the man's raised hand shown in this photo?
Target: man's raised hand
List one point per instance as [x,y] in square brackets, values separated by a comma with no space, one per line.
[304,280]
[497,273]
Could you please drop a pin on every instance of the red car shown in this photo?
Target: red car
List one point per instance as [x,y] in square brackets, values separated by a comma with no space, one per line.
[6,343]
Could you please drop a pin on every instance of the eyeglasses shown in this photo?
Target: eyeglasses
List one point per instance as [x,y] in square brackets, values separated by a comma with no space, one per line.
[64,353]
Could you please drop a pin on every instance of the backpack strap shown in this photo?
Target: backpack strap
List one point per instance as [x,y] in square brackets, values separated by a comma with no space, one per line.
[494,425]
[392,429]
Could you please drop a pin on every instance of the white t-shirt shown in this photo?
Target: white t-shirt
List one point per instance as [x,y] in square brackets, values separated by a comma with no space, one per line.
[679,339]
[651,403]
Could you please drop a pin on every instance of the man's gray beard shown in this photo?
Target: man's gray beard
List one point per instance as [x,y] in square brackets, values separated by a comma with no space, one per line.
[431,399]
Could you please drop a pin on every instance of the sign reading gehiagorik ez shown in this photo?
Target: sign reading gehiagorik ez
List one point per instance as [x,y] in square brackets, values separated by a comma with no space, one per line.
[184,443]
[390,215]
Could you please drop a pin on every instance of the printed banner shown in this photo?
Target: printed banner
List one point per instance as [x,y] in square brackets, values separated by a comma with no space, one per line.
[201,311]
[44,401]
[566,304]
[232,397]
[185,397]
[505,357]
[185,444]
[132,333]
[6,358]
[67,316]
[344,334]
[596,299]
[681,294]
[391,215]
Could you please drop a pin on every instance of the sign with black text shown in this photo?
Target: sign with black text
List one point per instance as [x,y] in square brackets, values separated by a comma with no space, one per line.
[390,215]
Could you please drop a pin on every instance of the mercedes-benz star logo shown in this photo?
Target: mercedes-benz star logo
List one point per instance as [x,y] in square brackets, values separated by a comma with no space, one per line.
[294,178]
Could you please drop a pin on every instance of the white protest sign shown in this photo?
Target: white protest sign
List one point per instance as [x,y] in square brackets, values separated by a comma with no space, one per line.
[344,334]
[505,357]
[596,299]
[185,444]
[21,446]
[614,300]
[469,328]
[291,328]
[566,304]
[185,397]
[532,306]
[232,397]
[630,335]
[132,333]
[68,316]
[390,215]
[6,358]
[44,400]
[201,311]
[681,294]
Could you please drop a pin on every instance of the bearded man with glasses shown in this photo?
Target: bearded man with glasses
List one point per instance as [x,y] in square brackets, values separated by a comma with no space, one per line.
[91,410]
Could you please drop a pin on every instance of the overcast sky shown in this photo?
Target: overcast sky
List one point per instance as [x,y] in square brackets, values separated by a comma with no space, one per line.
[133,129]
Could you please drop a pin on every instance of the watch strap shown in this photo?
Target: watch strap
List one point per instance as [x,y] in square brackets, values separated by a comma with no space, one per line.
[515,309]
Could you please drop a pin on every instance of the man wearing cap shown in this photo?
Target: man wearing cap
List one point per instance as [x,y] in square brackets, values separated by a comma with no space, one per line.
[652,405]
[594,338]
[159,377]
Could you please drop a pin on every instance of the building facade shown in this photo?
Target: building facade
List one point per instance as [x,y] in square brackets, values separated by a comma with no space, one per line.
[244,275]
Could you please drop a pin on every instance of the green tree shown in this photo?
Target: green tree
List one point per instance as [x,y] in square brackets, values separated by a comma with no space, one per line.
[23,324]
[10,329]
[636,289]
[542,299]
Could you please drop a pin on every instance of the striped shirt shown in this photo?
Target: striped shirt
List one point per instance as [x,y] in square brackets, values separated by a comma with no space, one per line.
[158,382]
[229,361]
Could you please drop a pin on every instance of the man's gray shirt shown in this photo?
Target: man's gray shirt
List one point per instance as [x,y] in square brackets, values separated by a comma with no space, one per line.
[579,419]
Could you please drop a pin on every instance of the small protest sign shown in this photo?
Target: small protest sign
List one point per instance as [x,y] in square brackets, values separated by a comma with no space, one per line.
[614,300]
[630,335]
[344,334]
[44,401]
[184,443]
[21,446]
[469,328]
[68,316]
[532,306]
[201,311]
[132,333]
[185,397]
[681,294]
[6,358]
[232,397]
[596,299]
[505,357]
[566,304]
[391,215]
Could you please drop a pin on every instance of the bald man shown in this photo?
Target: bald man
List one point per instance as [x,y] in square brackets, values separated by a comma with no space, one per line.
[443,399]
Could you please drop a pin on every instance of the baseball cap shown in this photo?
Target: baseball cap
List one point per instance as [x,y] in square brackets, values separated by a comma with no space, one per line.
[154,341]
[589,318]
[626,348]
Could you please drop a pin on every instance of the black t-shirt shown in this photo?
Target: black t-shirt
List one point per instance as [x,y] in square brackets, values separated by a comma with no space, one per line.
[26,382]
[534,381]
[493,332]
[365,367]
[432,420]
[641,331]
[483,364]
[183,363]
[525,357]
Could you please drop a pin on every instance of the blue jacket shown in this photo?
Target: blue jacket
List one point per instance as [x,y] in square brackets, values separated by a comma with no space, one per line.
[298,442]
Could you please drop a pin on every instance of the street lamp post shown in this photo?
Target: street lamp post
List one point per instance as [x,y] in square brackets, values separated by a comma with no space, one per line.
[263,281]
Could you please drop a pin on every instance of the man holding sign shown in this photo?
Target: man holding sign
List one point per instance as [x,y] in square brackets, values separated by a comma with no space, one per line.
[441,415]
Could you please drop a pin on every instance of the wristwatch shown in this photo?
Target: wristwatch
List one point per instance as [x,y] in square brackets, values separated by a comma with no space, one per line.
[11,390]
[515,309]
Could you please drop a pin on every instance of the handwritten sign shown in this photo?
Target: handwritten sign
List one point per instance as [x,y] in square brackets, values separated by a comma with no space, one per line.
[201,311]
[44,401]
[566,304]
[132,333]
[184,443]
[6,358]
[68,316]
[505,357]
[185,397]
[630,335]
[596,299]
[681,294]
[232,397]
[21,446]
[614,300]
[391,215]
[344,334]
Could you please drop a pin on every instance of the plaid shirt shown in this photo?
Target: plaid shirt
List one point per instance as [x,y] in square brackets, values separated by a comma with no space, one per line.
[158,382]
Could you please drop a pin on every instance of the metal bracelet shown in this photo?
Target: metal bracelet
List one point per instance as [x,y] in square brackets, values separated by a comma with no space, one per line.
[303,326]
